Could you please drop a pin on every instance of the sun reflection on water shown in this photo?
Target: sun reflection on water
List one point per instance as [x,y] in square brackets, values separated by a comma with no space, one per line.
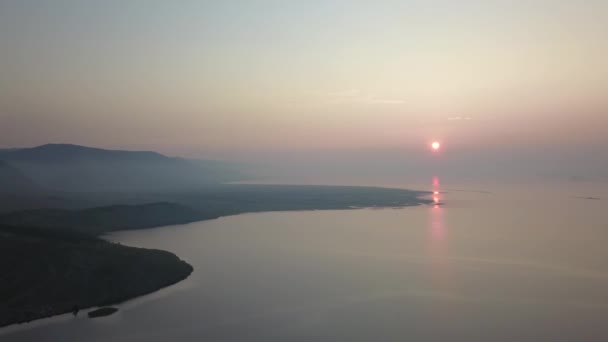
[438,260]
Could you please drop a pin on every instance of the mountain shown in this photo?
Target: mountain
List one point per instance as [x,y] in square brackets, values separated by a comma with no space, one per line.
[13,181]
[52,153]
[86,169]
[19,192]
[7,150]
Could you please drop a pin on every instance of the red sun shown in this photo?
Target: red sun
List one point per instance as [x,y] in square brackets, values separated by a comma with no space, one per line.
[435,145]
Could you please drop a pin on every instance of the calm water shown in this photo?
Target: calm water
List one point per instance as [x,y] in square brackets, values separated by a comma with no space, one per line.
[520,263]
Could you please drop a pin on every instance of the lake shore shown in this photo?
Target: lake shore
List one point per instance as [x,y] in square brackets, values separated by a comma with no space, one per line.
[87,271]
[51,273]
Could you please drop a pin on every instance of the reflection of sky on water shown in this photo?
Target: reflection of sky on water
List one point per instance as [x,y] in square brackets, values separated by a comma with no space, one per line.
[476,268]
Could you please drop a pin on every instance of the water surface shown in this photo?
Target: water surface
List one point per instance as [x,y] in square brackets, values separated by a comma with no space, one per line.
[520,263]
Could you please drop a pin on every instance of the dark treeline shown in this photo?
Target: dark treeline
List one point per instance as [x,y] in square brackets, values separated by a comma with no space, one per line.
[48,272]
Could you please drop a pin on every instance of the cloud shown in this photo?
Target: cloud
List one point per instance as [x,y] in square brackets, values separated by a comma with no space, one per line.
[356,96]
[458,118]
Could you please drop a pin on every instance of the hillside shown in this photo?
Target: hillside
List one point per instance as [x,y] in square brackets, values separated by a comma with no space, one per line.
[77,168]
[99,220]
[48,272]
[14,181]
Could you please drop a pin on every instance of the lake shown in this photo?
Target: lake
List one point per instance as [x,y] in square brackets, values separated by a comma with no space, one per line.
[487,263]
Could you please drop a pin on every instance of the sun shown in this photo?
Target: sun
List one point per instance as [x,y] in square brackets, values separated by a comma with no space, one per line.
[435,145]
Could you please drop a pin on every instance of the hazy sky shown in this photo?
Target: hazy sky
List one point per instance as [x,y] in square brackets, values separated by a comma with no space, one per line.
[232,78]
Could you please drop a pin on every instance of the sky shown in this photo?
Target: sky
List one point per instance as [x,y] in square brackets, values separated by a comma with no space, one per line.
[246,79]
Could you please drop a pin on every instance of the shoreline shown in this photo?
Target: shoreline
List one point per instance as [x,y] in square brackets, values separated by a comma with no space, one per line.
[48,275]
[124,306]
[414,198]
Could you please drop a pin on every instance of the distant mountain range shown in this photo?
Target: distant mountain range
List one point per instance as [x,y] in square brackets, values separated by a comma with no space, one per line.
[14,181]
[77,168]
[52,153]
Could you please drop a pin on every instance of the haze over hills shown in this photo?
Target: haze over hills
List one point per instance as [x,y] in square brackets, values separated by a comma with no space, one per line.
[110,212]
[19,192]
[14,181]
[48,234]
[94,190]
[69,152]
[77,168]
